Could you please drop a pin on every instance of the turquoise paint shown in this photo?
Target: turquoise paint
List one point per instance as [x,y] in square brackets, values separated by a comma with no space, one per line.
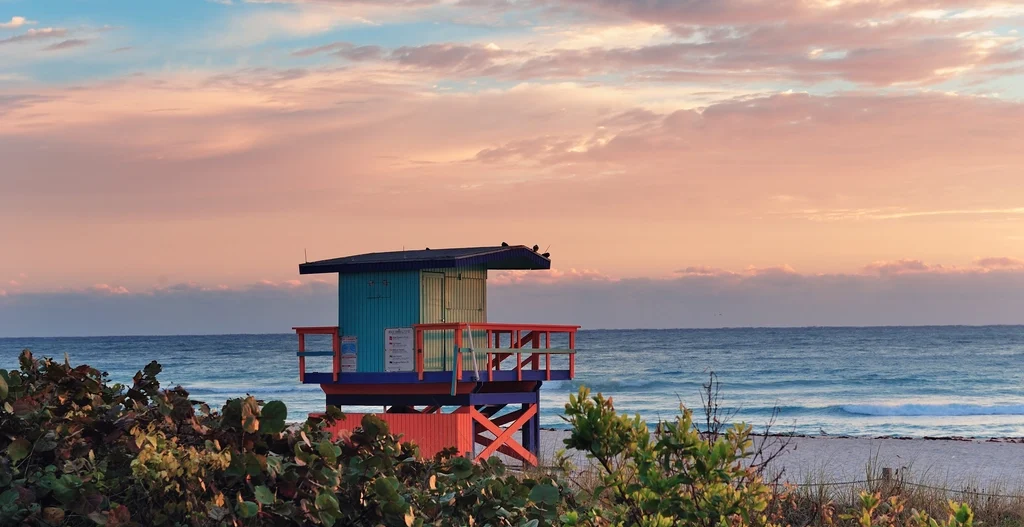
[368,303]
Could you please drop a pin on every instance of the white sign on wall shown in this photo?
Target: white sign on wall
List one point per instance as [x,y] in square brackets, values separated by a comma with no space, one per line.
[399,352]
[349,347]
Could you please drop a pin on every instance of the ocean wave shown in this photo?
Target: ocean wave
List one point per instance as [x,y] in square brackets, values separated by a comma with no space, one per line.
[934,410]
[612,386]
[253,390]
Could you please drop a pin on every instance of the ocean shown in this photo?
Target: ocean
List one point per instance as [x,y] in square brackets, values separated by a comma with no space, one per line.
[887,381]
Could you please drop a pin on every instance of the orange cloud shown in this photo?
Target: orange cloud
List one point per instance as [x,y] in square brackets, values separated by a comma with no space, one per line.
[1000,263]
[227,177]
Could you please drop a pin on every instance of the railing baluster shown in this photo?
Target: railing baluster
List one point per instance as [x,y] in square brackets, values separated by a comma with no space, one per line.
[336,347]
[572,356]
[302,359]
[458,352]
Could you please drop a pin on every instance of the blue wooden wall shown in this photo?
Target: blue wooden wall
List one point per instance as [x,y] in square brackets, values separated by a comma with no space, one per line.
[370,302]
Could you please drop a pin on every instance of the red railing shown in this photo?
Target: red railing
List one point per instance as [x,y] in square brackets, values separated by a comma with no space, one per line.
[519,335]
[523,339]
[335,345]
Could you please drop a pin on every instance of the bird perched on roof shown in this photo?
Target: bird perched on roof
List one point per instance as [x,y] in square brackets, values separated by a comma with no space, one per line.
[546,255]
[504,244]
[536,248]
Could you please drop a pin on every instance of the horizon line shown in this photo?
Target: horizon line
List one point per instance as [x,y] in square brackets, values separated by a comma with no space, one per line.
[695,328]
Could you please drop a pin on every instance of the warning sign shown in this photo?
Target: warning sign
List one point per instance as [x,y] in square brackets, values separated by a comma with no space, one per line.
[349,348]
[399,352]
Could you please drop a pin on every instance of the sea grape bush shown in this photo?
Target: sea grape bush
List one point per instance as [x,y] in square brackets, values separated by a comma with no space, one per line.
[78,450]
[674,475]
[671,476]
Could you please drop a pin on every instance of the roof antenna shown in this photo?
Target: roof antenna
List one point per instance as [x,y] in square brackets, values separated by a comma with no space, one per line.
[304,255]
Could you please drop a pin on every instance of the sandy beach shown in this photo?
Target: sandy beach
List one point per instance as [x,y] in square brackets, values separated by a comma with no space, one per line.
[951,463]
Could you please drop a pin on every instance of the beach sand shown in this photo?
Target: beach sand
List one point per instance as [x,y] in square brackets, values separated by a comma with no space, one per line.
[950,463]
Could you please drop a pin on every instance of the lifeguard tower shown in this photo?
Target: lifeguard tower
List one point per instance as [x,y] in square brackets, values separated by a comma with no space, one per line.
[413,338]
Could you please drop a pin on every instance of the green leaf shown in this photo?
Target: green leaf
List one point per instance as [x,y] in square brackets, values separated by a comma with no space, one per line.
[153,369]
[248,509]
[3,385]
[264,496]
[545,493]
[327,502]
[8,498]
[328,451]
[19,449]
[273,416]
[462,468]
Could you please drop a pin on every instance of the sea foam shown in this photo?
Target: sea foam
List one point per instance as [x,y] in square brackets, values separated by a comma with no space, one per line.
[952,409]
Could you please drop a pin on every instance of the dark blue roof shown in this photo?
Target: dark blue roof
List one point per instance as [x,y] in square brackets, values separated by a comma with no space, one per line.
[518,257]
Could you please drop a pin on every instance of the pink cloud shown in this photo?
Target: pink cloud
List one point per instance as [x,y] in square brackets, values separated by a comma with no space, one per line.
[67,44]
[507,278]
[16,22]
[35,34]
[253,156]
[1000,263]
[899,267]
[110,289]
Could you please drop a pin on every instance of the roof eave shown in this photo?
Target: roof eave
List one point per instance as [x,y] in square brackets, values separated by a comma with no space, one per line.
[522,259]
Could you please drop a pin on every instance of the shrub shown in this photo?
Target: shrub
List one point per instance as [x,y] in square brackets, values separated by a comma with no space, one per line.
[671,476]
[77,450]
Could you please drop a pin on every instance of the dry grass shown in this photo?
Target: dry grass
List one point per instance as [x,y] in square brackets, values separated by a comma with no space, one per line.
[820,500]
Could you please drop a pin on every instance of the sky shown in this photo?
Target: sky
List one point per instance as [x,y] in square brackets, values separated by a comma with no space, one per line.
[165,165]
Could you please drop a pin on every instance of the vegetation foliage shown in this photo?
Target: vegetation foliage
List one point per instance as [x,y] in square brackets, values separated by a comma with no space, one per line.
[76,449]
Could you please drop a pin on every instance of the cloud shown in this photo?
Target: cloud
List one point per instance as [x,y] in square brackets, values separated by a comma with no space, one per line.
[907,51]
[1000,263]
[178,309]
[16,22]
[36,34]
[301,18]
[506,278]
[744,300]
[344,50]
[110,289]
[696,299]
[276,159]
[67,44]
[900,267]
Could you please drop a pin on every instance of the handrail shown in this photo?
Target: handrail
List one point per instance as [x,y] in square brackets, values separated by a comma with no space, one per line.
[523,339]
[335,347]
[520,335]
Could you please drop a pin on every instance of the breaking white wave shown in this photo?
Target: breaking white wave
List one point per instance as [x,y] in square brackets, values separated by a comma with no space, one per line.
[952,409]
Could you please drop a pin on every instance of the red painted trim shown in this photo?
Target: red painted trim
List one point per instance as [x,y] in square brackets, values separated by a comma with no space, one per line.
[395,389]
[504,436]
[316,330]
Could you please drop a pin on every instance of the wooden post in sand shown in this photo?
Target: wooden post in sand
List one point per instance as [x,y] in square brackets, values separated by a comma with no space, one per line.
[887,474]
